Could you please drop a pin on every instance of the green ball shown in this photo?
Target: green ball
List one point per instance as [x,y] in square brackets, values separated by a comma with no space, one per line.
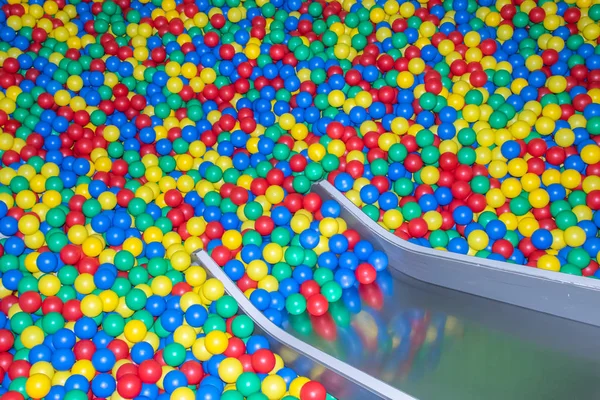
[379,167]
[332,291]
[519,206]
[397,152]
[438,239]
[124,260]
[281,236]
[247,384]
[251,237]
[242,326]
[428,101]
[67,275]
[227,307]
[113,324]
[403,187]
[295,304]
[232,395]
[566,219]
[174,354]
[571,269]
[214,323]
[136,299]
[323,275]
[411,210]
[579,258]
[253,210]
[294,255]
[480,184]
[20,321]
[138,275]
[371,211]
[52,322]
[301,184]
[281,271]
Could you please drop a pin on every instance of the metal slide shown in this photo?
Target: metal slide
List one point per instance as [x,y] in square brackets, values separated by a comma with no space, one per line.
[341,380]
[409,335]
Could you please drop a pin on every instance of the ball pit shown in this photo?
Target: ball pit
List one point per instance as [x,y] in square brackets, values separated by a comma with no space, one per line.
[133,133]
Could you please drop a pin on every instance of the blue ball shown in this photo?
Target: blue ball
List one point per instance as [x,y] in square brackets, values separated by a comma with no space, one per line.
[196,315]
[103,385]
[541,239]
[495,229]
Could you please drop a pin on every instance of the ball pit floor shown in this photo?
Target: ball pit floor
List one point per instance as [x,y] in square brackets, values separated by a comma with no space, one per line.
[134,133]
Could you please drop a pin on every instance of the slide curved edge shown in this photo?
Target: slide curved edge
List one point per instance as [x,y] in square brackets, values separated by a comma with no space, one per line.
[373,386]
[566,296]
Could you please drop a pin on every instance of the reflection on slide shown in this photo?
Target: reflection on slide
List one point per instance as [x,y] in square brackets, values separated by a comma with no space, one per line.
[435,343]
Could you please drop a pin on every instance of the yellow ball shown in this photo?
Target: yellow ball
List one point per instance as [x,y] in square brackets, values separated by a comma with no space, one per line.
[195,275]
[32,336]
[570,179]
[272,253]
[574,236]
[181,260]
[49,285]
[549,263]
[161,285]
[216,342]
[28,224]
[38,386]
[135,331]
[297,384]
[230,369]
[91,306]
[185,335]
[539,198]
[232,239]
[392,219]
[182,393]
[478,240]
[590,154]
[274,387]
[213,289]
[257,269]
[328,227]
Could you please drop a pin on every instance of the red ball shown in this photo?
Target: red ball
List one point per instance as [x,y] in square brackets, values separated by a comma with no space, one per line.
[264,225]
[263,361]
[30,302]
[119,348]
[70,254]
[478,78]
[84,350]
[313,390]
[129,386]
[418,227]
[51,304]
[221,255]
[19,368]
[503,247]
[317,305]
[365,273]
[173,197]
[593,200]
[309,288]
[312,202]
[193,371]
[235,347]
[6,340]
[150,371]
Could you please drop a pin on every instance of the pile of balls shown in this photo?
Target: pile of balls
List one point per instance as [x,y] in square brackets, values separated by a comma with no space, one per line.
[473,127]
[134,133]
